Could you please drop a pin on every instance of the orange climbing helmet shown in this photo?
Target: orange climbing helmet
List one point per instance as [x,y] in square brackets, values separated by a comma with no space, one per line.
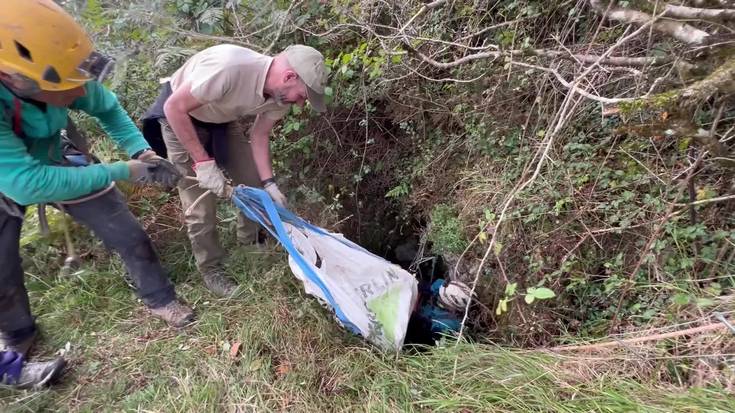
[41,42]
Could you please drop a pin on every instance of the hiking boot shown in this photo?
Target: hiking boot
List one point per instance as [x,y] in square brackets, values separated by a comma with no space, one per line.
[255,246]
[23,347]
[257,241]
[17,374]
[220,284]
[174,313]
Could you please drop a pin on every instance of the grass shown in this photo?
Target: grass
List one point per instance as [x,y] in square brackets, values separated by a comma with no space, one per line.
[292,355]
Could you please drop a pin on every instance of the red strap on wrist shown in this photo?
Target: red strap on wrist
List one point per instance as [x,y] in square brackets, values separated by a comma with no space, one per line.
[202,161]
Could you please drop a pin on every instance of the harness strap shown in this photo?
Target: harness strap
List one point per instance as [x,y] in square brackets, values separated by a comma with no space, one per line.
[17,117]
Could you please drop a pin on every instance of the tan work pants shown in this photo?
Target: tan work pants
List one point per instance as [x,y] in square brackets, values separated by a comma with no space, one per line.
[201,222]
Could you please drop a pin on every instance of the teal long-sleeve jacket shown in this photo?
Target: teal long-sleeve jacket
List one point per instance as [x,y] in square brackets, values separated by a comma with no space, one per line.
[29,164]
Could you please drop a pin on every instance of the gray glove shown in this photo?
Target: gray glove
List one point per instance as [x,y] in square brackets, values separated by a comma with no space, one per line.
[272,189]
[211,177]
[155,170]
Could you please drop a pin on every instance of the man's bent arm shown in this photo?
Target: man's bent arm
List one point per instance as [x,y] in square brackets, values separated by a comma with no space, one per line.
[177,109]
[260,145]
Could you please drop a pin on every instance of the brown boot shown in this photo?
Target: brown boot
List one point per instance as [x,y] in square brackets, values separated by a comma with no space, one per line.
[217,282]
[174,313]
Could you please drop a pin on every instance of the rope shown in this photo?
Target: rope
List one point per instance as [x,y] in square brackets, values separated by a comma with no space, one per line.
[88,197]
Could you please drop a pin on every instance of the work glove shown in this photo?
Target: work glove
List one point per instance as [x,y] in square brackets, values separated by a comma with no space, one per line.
[164,169]
[276,195]
[154,171]
[148,155]
[211,177]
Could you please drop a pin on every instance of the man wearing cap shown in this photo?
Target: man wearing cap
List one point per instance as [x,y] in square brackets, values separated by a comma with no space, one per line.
[208,94]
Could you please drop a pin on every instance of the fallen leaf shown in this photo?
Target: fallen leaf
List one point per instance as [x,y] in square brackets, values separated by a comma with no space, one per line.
[610,110]
[283,369]
[256,365]
[234,350]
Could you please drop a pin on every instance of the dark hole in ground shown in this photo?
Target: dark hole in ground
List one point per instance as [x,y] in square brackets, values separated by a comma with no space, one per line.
[356,174]
[430,320]
[387,231]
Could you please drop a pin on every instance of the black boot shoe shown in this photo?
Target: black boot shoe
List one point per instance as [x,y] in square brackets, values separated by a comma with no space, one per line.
[23,347]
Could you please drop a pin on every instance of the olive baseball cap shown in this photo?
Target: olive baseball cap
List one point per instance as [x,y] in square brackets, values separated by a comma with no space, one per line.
[308,63]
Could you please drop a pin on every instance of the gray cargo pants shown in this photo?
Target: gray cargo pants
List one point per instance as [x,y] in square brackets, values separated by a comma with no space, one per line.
[110,219]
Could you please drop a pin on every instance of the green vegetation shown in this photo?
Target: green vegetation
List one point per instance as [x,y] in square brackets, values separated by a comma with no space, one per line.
[291,355]
[447,234]
[626,223]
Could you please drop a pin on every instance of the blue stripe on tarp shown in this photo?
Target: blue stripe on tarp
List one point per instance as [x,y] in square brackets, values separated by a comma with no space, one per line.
[258,206]
[252,196]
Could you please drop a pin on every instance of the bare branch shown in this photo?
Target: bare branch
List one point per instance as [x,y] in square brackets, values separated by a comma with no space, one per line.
[558,54]
[721,81]
[711,200]
[612,60]
[429,6]
[446,79]
[476,56]
[448,43]
[294,3]
[684,12]
[494,26]
[714,3]
[573,88]
[614,343]
[679,30]
[223,39]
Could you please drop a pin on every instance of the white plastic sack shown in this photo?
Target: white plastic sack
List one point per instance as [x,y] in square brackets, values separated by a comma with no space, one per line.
[374,294]
[369,295]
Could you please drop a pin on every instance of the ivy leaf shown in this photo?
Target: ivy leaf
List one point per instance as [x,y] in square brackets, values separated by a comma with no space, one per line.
[489,215]
[704,302]
[681,299]
[543,293]
[497,248]
[510,289]
[502,307]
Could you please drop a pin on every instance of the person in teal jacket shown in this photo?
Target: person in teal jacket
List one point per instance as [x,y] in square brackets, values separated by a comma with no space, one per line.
[47,67]
[32,166]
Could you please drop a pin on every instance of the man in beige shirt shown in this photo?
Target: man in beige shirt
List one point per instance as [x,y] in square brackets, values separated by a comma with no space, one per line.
[209,93]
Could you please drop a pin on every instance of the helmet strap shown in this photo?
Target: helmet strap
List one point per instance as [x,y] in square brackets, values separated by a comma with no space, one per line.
[22,86]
